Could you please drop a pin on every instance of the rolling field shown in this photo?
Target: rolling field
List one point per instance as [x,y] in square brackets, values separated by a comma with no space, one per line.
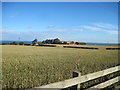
[29,66]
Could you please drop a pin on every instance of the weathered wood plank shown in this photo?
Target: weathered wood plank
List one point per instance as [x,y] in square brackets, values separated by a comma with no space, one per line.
[106,83]
[44,89]
[81,79]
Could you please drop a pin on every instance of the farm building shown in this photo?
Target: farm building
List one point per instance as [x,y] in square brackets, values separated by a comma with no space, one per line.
[37,43]
[69,42]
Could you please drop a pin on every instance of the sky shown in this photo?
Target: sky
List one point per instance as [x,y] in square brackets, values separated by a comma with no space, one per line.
[60,0]
[68,21]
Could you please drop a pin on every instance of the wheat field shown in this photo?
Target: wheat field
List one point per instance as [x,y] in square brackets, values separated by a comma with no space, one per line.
[31,66]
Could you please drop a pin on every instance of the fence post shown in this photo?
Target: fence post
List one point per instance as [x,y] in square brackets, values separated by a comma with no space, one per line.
[76,87]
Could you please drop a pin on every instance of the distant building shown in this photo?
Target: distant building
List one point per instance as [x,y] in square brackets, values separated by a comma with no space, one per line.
[37,43]
[69,42]
[72,43]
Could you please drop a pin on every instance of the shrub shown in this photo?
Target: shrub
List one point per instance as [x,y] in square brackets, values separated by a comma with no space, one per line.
[40,44]
[3,44]
[64,42]
[21,43]
[82,43]
[77,43]
[13,43]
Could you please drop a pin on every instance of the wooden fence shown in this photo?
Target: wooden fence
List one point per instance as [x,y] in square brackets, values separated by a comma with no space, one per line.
[80,47]
[78,79]
[112,48]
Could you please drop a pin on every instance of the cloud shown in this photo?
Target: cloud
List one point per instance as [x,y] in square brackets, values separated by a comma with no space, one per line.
[90,27]
[105,25]
[29,35]
[75,30]
[29,27]
[12,16]
[51,26]
[9,32]
[66,30]
[113,32]
[98,29]
[60,31]
[1,31]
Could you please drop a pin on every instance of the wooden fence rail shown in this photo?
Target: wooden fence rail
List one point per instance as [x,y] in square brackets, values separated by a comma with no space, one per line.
[81,79]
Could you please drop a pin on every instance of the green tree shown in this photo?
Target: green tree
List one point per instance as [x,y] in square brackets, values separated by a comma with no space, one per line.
[52,41]
[21,43]
[82,43]
[56,41]
[64,42]
[13,43]
[77,43]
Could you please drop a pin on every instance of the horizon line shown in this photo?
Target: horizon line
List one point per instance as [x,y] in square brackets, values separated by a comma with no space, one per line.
[72,40]
[59,1]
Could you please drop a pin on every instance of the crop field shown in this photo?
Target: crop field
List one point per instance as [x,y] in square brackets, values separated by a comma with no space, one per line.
[31,66]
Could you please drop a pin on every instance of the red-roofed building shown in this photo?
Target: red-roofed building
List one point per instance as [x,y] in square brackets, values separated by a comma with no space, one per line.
[72,43]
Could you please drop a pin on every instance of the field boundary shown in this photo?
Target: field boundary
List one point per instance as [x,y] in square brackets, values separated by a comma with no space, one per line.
[112,48]
[81,79]
[82,46]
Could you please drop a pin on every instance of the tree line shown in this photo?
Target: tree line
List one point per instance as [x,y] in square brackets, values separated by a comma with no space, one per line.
[56,41]
[47,41]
